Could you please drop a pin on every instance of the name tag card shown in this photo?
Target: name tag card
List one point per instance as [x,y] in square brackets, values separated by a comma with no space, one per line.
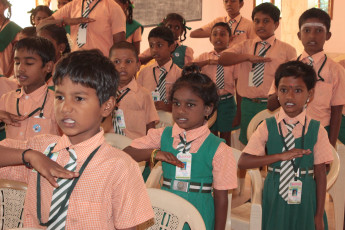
[295,192]
[156,96]
[250,79]
[185,172]
[120,118]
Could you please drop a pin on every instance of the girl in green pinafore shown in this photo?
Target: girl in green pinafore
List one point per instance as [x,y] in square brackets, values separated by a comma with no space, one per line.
[203,161]
[297,152]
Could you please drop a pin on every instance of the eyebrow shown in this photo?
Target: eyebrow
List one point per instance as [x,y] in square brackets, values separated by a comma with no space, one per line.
[26,58]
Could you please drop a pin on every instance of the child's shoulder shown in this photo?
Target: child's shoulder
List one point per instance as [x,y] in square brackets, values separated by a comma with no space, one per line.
[113,156]
[285,45]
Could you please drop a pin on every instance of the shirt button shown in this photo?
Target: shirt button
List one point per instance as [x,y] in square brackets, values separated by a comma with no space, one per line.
[26,97]
[21,133]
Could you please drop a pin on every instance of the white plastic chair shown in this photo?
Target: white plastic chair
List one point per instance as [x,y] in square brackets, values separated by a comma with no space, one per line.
[12,196]
[172,211]
[155,178]
[165,119]
[120,142]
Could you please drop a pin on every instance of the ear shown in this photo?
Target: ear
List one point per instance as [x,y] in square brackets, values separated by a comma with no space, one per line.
[138,65]
[49,66]
[172,47]
[108,107]
[328,36]
[311,94]
[299,35]
[276,24]
[241,4]
[208,110]
[61,47]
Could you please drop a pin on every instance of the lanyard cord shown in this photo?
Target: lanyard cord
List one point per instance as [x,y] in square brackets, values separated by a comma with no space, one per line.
[82,8]
[70,189]
[35,111]
[233,32]
[319,71]
[121,97]
[263,54]
[166,73]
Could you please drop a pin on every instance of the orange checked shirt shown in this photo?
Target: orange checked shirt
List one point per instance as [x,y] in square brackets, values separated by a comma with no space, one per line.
[279,52]
[149,81]
[224,164]
[27,103]
[211,70]
[322,149]
[138,110]
[110,193]
[242,28]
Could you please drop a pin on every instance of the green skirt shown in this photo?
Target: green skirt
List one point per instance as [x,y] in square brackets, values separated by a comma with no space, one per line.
[341,136]
[226,113]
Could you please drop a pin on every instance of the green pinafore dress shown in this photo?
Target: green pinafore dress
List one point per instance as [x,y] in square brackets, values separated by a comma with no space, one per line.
[178,56]
[201,172]
[277,214]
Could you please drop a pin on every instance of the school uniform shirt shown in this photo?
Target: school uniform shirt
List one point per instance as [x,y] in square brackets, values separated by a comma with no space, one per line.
[224,164]
[7,85]
[187,58]
[138,110]
[242,28]
[110,193]
[279,52]
[329,92]
[322,149]
[147,79]
[33,125]
[109,20]
[135,37]
[211,71]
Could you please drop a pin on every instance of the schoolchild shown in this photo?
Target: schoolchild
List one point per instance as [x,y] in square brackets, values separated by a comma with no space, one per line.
[38,14]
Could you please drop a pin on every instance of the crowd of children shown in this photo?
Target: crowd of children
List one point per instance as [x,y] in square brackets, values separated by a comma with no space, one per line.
[67,92]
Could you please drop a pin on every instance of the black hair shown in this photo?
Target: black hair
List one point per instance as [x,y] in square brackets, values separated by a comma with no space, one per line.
[190,69]
[8,5]
[58,34]
[91,69]
[163,33]
[201,85]
[222,24]
[180,19]
[36,10]
[269,9]
[124,45]
[296,69]
[315,13]
[41,46]
[29,31]
[129,10]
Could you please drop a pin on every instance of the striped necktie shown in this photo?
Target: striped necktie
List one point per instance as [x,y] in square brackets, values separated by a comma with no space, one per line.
[116,125]
[232,21]
[258,76]
[286,168]
[220,77]
[184,146]
[83,26]
[311,61]
[161,84]
[60,193]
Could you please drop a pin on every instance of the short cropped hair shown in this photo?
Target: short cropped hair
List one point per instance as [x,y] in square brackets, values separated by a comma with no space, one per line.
[222,24]
[41,46]
[58,33]
[91,69]
[124,45]
[269,9]
[200,84]
[164,33]
[296,69]
[315,13]
[29,31]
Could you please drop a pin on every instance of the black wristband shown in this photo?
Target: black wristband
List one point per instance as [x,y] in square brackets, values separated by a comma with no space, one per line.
[27,164]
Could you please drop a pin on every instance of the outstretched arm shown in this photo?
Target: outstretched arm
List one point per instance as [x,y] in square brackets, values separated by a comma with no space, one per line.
[199,33]
[230,58]
[64,21]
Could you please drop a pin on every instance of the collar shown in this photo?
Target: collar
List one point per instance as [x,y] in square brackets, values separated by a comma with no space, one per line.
[36,95]
[88,145]
[190,134]
[316,57]
[291,120]
[237,18]
[270,40]
[178,43]
[166,65]
[132,85]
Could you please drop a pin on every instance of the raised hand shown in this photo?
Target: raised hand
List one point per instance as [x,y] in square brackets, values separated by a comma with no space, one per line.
[11,119]
[294,153]
[169,158]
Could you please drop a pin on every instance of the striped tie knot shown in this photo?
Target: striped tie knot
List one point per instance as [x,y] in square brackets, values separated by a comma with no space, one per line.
[184,146]
[263,43]
[232,21]
[311,61]
[162,69]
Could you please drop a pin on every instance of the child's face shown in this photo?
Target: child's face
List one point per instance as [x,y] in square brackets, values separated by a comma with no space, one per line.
[77,110]
[293,95]
[313,34]
[160,50]
[29,70]
[39,17]
[264,25]
[126,64]
[233,7]
[176,27]
[220,38]
[59,48]
[188,109]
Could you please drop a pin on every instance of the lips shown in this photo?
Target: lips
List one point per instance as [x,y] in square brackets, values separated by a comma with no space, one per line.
[22,77]
[289,104]
[68,122]
[311,43]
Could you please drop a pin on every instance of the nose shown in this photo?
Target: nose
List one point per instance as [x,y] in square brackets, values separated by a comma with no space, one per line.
[66,107]
[21,68]
[181,109]
[290,94]
[122,65]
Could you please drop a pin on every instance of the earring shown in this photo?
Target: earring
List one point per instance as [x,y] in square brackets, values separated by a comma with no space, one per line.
[278,98]
[308,100]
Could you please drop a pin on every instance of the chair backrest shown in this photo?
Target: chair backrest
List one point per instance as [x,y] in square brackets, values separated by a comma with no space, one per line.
[116,140]
[12,196]
[212,119]
[165,119]
[172,211]
[155,177]
[257,119]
